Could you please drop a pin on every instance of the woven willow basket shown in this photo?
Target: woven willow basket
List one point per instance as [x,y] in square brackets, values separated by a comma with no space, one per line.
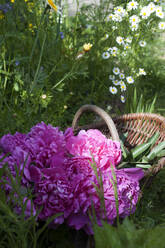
[139,127]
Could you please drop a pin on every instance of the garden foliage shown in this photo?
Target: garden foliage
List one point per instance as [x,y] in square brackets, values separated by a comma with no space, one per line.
[52,63]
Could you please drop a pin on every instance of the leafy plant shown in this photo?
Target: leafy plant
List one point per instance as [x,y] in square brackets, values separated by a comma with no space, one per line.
[127,235]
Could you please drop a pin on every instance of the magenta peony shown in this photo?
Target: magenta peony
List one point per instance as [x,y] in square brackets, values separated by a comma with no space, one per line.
[44,142]
[93,143]
[84,183]
[58,168]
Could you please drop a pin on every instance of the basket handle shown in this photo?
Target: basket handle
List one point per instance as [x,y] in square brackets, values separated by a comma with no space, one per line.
[108,120]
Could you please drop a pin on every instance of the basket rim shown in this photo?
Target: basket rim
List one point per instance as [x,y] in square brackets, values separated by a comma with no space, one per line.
[126,117]
[146,115]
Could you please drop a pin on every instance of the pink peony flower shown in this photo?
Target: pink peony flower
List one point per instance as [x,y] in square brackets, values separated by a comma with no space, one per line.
[94,143]
[9,142]
[43,142]
[54,194]
[84,183]
[58,168]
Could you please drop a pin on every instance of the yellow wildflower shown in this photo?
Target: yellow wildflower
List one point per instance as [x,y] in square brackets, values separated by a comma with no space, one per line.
[30,25]
[87,47]
[1,15]
[12,1]
[52,5]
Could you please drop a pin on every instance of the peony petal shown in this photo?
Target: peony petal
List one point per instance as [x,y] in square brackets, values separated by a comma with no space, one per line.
[35,174]
[135,173]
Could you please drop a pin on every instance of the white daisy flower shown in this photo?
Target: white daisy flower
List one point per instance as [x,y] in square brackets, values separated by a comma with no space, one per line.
[134,26]
[123,87]
[142,71]
[158,9]
[134,19]
[120,11]
[112,77]
[126,46]
[116,70]
[114,54]
[128,39]
[145,12]
[113,90]
[160,14]
[113,50]
[130,80]
[105,55]
[161,25]
[121,82]
[114,27]
[121,76]
[122,98]
[116,82]
[110,17]
[120,40]
[152,7]
[117,18]
[132,5]
[44,96]
[142,43]
[109,107]
[106,36]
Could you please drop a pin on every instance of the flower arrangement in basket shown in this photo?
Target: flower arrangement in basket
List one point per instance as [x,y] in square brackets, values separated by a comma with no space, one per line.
[66,171]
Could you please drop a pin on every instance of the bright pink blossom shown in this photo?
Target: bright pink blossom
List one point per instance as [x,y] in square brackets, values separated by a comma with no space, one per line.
[58,168]
[93,143]
[84,183]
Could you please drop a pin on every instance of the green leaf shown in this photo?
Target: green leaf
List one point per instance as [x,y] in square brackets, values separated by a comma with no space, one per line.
[16,87]
[161,154]
[138,150]
[125,152]
[123,136]
[153,139]
[156,150]
[144,166]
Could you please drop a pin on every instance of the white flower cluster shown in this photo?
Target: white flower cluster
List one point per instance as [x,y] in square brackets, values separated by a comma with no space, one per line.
[136,16]
[117,16]
[118,78]
[143,12]
[114,51]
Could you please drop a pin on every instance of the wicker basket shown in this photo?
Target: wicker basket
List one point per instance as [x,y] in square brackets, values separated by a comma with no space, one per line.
[139,127]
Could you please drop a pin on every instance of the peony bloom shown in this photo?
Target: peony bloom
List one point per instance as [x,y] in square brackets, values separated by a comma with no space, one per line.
[84,183]
[9,142]
[44,142]
[93,143]
[58,168]
[54,194]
